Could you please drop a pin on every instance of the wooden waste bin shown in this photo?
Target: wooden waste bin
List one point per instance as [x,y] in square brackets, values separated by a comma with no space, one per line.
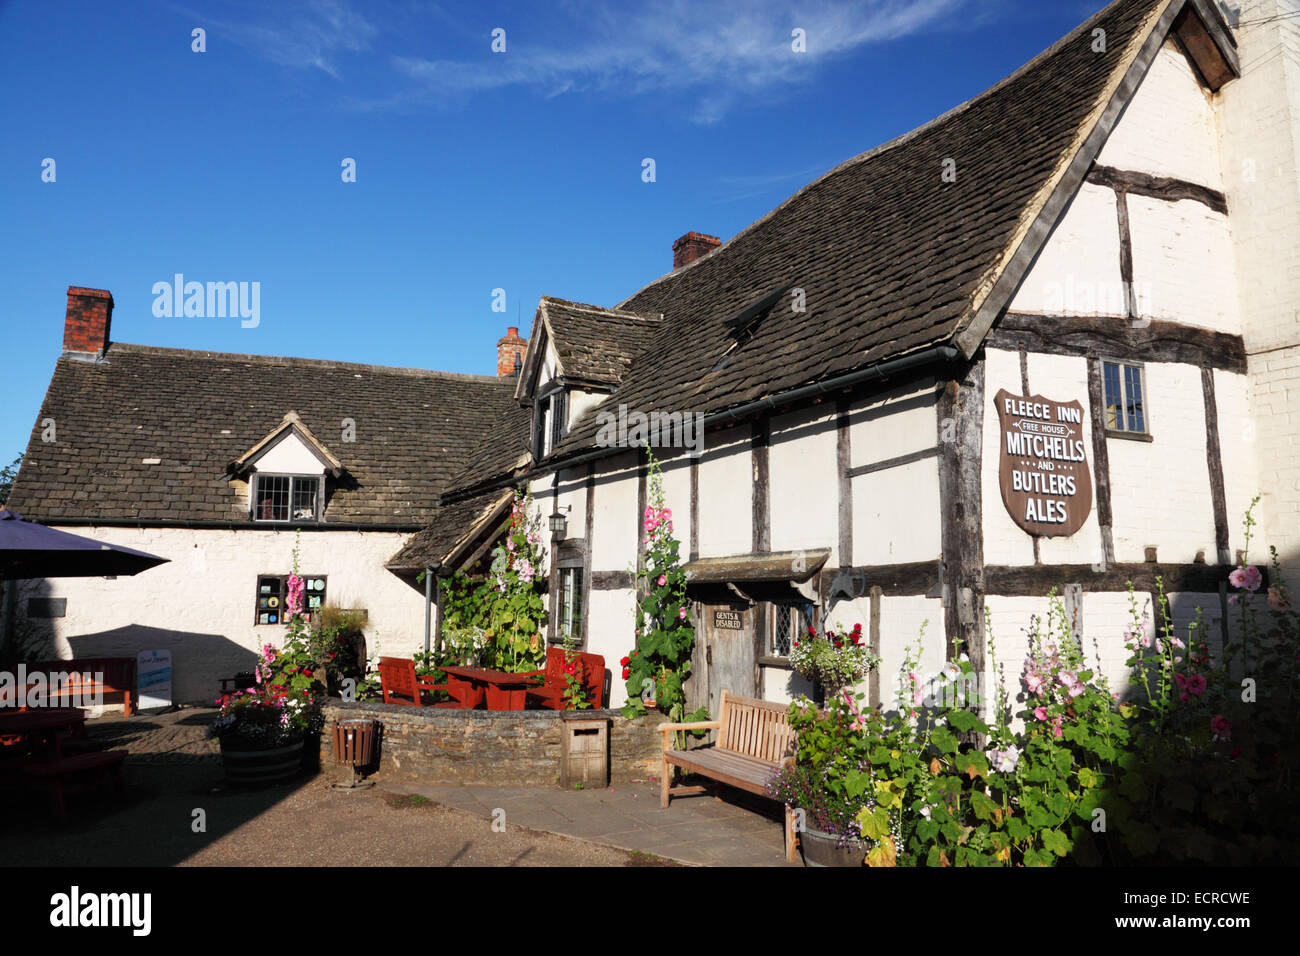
[584,752]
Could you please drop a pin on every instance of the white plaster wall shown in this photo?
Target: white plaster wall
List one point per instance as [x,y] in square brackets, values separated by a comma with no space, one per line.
[677,499]
[200,605]
[1183,270]
[1238,438]
[1261,142]
[1077,273]
[610,628]
[802,482]
[903,622]
[290,455]
[726,494]
[896,510]
[581,403]
[1160,490]
[614,534]
[1004,541]
[1170,127]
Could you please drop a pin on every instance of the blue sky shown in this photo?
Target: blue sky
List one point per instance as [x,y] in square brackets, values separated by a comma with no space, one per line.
[475,170]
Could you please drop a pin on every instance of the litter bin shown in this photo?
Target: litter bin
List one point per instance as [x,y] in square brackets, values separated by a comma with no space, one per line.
[584,752]
[354,744]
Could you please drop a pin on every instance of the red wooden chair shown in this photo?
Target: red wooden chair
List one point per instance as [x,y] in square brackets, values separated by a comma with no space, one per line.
[550,695]
[403,686]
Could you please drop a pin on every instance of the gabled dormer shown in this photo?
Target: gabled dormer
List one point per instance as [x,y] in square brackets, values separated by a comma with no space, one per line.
[286,473]
[577,356]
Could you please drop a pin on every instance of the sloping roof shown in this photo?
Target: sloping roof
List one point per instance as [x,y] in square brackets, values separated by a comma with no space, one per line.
[890,258]
[453,526]
[197,411]
[593,344]
[292,423]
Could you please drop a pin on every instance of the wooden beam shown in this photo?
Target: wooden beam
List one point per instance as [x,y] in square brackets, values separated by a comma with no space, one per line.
[760,443]
[894,580]
[642,476]
[961,404]
[610,580]
[844,461]
[1114,337]
[1206,55]
[888,463]
[873,636]
[1100,461]
[1156,187]
[695,508]
[1214,460]
[1126,253]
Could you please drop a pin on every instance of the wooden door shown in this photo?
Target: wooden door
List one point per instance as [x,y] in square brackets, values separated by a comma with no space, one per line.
[729,652]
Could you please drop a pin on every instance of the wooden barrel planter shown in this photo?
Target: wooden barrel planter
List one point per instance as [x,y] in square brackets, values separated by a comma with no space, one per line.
[255,768]
[823,849]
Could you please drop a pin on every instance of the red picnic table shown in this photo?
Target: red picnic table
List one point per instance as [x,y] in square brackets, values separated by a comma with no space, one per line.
[44,723]
[502,690]
[48,725]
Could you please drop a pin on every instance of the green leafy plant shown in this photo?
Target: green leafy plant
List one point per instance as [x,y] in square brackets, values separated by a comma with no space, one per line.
[660,662]
[575,695]
[835,659]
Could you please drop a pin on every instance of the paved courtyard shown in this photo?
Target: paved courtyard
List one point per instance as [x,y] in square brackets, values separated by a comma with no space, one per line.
[173,772]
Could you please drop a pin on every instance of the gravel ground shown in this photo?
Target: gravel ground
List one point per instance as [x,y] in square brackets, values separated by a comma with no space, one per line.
[303,824]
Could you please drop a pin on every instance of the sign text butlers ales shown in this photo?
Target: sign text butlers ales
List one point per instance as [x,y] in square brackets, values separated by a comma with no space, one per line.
[1044,474]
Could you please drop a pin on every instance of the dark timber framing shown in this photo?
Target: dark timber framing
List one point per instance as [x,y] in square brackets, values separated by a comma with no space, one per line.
[695,507]
[1214,460]
[760,443]
[844,460]
[1090,337]
[961,402]
[1101,461]
[907,459]
[1125,253]
[1156,187]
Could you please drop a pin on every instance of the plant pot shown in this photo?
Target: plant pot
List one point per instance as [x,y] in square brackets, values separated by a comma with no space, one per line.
[822,849]
[255,768]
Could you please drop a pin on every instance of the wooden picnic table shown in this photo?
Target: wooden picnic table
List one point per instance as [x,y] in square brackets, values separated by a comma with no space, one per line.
[502,690]
[46,723]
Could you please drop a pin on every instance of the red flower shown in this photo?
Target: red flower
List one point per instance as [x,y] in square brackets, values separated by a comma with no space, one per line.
[812,632]
[627,672]
[624,662]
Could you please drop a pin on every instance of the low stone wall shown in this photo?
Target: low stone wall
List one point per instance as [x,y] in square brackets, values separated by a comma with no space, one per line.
[438,745]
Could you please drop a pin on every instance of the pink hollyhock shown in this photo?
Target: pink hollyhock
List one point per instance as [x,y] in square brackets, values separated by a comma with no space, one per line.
[1056,727]
[663,579]
[1196,685]
[1221,727]
[1034,682]
[681,614]
[1276,601]
[1247,578]
[1040,713]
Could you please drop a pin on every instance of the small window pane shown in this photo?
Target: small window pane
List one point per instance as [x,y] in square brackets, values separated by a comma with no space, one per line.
[784,621]
[1133,395]
[272,498]
[304,498]
[569,617]
[1114,398]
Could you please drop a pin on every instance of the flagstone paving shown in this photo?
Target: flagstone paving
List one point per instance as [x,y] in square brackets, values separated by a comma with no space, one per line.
[173,737]
[694,829]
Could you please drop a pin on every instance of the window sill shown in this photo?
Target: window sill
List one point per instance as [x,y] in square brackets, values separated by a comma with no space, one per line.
[782,663]
[1130,436]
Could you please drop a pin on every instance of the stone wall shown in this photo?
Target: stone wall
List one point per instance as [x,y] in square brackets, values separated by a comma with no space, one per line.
[491,746]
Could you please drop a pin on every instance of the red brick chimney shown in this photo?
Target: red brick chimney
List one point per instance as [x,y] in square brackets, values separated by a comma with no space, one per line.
[692,246]
[510,352]
[85,328]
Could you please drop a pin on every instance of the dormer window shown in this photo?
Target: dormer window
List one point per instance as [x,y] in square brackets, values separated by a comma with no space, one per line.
[286,474]
[287,497]
[551,421]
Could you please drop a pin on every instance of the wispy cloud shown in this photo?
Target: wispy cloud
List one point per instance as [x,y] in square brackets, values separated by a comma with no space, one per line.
[725,52]
[308,34]
[736,188]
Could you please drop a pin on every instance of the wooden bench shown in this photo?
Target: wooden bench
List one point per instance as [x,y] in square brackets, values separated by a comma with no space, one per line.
[753,742]
[53,772]
[401,685]
[551,694]
[102,675]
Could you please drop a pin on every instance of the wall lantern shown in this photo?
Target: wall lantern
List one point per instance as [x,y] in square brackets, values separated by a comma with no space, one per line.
[559,522]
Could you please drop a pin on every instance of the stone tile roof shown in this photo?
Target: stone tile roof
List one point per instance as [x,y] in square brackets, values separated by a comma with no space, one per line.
[450,525]
[596,345]
[198,411]
[890,257]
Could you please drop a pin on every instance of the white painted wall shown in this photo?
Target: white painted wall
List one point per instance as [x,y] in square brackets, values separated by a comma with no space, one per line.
[1160,490]
[895,510]
[726,494]
[200,605]
[290,455]
[1077,273]
[1170,127]
[801,469]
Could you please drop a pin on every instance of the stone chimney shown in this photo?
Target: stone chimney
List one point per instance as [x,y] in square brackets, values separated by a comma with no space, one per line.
[85,328]
[692,246]
[510,352]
